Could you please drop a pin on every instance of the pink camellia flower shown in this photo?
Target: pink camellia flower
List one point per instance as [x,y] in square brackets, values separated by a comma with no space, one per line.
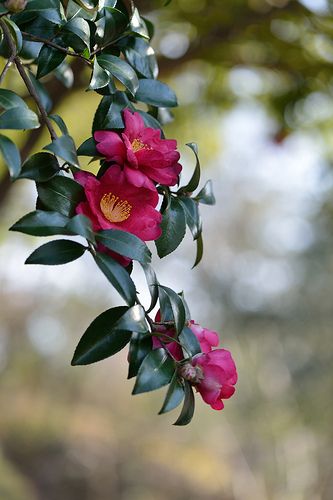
[114,203]
[216,376]
[207,338]
[144,155]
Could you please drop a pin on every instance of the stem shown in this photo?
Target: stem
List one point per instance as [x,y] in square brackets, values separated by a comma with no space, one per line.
[56,46]
[6,68]
[172,339]
[27,81]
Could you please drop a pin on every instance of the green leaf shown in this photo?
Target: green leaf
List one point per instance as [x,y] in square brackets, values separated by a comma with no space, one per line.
[155,371]
[118,277]
[11,156]
[15,32]
[126,244]
[206,195]
[65,75]
[64,147]
[109,112]
[88,148]
[81,225]
[102,339]
[121,70]
[152,285]
[199,255]
[49,59]
[41,92]
[60,123]
[195,179]
[193,219]
[99,78]
[19,118]
[156,93]
[133,320]
[177,307]
[61,194]
[40,167]
[173,229]
[140,346]
[150,121]
[190,342]
[174,395]
[40,223]
[56,252]
[80,28]
[187,412]
[90,5]
[142,57]
[9,99]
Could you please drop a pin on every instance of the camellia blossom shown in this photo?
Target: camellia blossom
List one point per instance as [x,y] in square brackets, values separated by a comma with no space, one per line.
[146,157]
[217,375]
[207,338]
[114,203]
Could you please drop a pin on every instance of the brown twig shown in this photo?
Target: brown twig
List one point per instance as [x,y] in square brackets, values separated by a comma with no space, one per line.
[6,68]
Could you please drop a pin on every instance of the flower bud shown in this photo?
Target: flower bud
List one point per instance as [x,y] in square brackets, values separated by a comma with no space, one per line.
[191,373]
[15,5]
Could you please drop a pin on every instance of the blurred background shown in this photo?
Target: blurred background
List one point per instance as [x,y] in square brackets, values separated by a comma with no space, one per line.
[255,85]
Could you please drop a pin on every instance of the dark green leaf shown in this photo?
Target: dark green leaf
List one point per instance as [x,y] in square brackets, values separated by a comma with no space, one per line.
[140,346]
[9,99]
[118,277]
[134,320]
[173,228]
[11,156]
[64,74]
[199,250]
[142,57]
[195,179]
[61,194]
[20,118]
[120,70]
[109,112]
[177,306]
[15,32]
[206,195]
[40,167]
[88,148]
[99,78]
[174,395]
[101,339]
[152,285]
[187,412]
[155,93]
[80,28]
[126,244]
[65,148]
[193,219]
[56,252]
[155,371]
[190,342]
[81,225]
[40,223]
[60,122]
[150,121]
[49,58]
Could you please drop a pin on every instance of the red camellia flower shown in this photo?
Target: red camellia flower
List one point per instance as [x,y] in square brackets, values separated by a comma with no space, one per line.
[114,203]
[217,376]
[145,157]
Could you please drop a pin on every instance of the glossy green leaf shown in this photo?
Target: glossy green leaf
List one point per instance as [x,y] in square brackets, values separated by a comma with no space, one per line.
[42,223]
[61,194]
[64,147]
[206,195]
[199,253]
[11,156]
[9,99]
[155,371]
[99,78]
[140,346]
[142,57]
[174,396]
[40,167]
[56,252]
[20,118]
[80,28]
[133,320]
[49,59]
[190,342]
[192,214]
[65,75]
[173,228]
[118,277]
[126,244]
[187,412]
[177,307]
[155,93]
[109,112]
[195,179]
[60,123]
[88,148]
[102,339]
[121,70]
[15,32]
[81,225]
[152,285]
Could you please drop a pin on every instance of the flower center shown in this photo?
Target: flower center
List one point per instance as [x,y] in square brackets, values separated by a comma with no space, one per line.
[114,210]
[137,145]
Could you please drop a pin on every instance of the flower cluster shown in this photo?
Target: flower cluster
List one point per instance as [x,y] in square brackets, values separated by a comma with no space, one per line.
[212,372]
[126,197]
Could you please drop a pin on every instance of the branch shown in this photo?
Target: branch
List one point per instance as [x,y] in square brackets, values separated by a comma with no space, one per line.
[56,46]
[27,80]
[6,68]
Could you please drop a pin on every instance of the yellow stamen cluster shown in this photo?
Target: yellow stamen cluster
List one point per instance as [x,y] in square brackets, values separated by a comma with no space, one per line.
[137,145]
[114,210]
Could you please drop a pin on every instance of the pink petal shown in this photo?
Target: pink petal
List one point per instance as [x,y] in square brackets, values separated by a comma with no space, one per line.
[133,124]
[110,145]
[138,178]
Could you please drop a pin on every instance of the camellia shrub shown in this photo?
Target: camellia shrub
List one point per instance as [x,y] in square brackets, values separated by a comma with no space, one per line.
[135,197]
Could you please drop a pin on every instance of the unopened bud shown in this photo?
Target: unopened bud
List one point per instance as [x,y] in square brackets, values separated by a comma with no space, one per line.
[15,5]
[191,373]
